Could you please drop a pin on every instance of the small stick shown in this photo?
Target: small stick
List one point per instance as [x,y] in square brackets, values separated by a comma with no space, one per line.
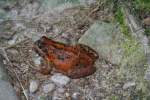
[13,45]
[24,91]
[6,57]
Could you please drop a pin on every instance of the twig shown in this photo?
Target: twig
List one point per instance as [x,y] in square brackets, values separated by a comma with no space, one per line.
[5,56]
[9,62]
[24,91]
[31,66]
[96,8]
[13,45]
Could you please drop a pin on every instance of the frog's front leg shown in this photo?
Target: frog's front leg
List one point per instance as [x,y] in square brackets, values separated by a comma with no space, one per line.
[46,66]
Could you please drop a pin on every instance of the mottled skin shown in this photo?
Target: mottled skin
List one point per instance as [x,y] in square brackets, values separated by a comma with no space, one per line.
[74,61]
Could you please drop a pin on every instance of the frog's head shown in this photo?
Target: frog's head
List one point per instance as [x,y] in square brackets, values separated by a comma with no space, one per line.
[42,42]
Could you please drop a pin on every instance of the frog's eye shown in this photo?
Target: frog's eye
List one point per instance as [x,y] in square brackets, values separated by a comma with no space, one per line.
[39,44]
[43,38]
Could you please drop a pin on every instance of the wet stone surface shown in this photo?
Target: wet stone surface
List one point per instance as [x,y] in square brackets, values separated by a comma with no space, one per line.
[6,91]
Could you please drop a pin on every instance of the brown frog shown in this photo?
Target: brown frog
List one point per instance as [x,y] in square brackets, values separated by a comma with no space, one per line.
[74,61]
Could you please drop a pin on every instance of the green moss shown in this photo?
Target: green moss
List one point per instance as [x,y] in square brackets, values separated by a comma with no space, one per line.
[42,97]
[133,63]
[133,58]
[139,95]
[140,8]
[147,32]
[142,4]
[114,98]
[130,46]
[119,16]
[133,66]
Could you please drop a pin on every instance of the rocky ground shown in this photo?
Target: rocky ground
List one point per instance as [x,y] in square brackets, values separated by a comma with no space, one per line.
[122,69]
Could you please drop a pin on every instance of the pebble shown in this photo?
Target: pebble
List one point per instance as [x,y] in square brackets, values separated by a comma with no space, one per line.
[36,59]
[129,84]
[12,51]
[67,95]
[34,84]
[41,97]
[61,90]
[75,96]
[48,88]
[13,40]
[60,79]
[57,96]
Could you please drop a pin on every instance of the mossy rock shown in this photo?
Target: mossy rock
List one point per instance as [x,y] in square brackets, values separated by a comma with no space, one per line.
[124,51]
[105,40]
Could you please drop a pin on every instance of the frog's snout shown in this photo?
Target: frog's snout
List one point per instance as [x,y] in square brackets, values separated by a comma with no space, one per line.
[38,43]
[41,45]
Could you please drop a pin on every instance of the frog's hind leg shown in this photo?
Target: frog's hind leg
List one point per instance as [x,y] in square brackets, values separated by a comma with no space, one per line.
[91,52]
[82,72]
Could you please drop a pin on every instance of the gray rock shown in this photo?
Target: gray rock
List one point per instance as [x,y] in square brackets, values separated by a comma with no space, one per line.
[104,38]
[6,91]
[129,84]
[36,59]
[34,84]
[119,49]
[60,79]
[112,45]
[48,88]
[12,51]
[61,90]
[76,96]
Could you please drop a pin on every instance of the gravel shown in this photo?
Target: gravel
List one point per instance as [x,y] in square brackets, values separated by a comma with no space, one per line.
[60,80]
[48,88]
[129,84]
[34,84]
